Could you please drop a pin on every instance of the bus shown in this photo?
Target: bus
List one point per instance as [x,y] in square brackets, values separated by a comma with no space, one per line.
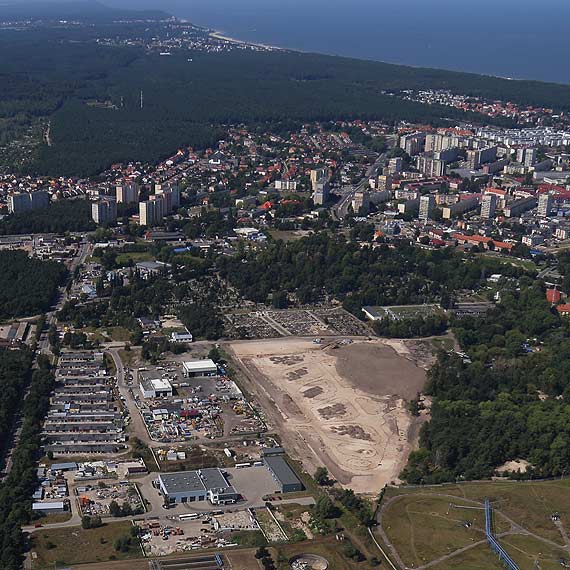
[188,517]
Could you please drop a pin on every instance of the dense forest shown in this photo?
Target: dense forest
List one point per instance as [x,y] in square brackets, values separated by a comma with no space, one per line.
[323,265]
[58,217]
[27,286]
[510,401]
[61,73]
[14,375]
[22,481]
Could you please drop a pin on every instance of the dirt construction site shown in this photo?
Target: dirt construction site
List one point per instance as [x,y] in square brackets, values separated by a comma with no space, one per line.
[341,403]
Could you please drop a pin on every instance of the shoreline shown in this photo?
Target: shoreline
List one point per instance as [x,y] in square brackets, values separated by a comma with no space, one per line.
[220,35]
[223,36]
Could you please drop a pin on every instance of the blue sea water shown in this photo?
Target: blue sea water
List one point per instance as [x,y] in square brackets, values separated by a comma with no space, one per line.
[508,38]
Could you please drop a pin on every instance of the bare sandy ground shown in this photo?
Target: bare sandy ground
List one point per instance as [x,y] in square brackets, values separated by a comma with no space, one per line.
[343,408]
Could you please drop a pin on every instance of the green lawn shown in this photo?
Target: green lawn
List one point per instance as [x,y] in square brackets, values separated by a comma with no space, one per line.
[412,522]
[328,548]
[477,558]
[124,259]
[77,546]
[423,528]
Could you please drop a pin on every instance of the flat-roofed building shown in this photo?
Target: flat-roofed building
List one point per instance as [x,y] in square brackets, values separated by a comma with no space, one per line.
[155,388]
[127,193]
[195,486]
[200,368]
[104,211]
[274,460]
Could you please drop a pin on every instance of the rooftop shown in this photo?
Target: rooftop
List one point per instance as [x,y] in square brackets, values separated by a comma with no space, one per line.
[157,384]
[200,365]
[281,469]
[188,481]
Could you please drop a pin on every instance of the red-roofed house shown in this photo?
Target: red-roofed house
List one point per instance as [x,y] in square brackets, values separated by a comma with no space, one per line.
[564,310]
[553,296]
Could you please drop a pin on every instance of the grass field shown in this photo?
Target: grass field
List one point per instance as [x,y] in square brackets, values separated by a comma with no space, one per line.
[105,334]
[54,518]
[328,548]
[77,546]
[402,312]
[134,257]
[478,558]
[286,235]
[422,526]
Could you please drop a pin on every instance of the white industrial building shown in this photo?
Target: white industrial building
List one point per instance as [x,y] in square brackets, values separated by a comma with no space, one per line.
[48,508]
[200,368]
[181,337]
[155,387]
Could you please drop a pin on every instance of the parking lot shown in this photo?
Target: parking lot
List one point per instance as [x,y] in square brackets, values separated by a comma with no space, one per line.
[254,483]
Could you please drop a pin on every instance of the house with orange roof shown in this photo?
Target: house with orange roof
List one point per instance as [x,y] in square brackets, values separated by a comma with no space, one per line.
[563,310]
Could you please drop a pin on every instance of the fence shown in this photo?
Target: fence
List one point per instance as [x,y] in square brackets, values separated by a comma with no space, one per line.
[493,542]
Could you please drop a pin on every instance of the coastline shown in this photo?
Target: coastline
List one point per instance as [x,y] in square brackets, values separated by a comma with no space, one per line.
[220,35]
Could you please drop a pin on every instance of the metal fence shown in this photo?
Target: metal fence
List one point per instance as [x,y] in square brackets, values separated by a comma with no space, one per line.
[493,542]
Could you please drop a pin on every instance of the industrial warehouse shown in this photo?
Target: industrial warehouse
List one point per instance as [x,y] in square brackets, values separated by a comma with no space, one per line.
[213,485]
[83,416]
[191,486]
[200,368]
[274,460]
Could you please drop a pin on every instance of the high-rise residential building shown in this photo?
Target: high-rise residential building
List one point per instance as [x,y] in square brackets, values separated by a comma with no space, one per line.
[427,204]
[361,202]
[152,211]
[320,185]
[145,213]
[545,203]
[128,193]
[104,211]
[430,166]
[384,182]
[488,206]
[468,204]
[518,207]
[395,165]
[26,201]
[171,193]
[530,157]
[526,156]
[436,142]
[475,158]
[413,143]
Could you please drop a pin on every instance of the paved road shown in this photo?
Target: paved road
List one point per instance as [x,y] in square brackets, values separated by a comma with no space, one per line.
[340,209]
[62,298]
[137,426]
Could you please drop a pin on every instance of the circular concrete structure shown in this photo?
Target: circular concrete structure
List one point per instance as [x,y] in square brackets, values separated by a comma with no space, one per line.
[308,562]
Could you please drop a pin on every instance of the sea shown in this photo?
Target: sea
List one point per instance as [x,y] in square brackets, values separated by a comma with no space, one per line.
[519,39]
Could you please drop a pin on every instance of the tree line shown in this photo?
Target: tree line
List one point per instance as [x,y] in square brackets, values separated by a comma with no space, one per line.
[509,400]
[59,217]
[22,481]
[325,266]
[27,285]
